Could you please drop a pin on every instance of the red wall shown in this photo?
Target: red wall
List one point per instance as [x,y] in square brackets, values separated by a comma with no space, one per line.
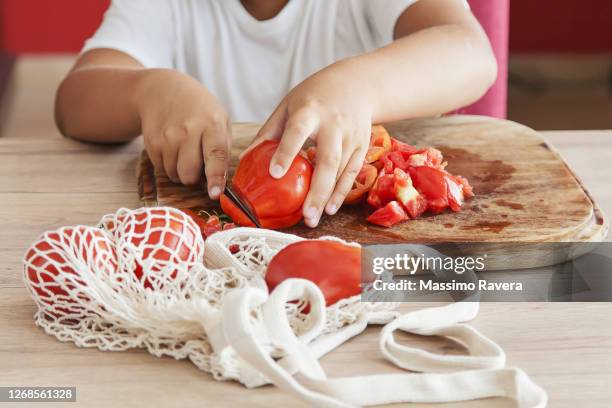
[39,26]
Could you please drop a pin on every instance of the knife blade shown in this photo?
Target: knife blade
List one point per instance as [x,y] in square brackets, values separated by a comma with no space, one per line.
[235,198]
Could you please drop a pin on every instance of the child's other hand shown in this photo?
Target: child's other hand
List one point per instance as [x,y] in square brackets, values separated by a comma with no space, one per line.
[185,129]
[337,113]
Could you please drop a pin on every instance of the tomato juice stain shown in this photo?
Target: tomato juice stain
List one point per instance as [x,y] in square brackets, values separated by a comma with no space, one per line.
[508,204]
[488,226]
[486,176]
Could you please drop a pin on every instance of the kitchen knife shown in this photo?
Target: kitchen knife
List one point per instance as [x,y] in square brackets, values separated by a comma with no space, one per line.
[235,198]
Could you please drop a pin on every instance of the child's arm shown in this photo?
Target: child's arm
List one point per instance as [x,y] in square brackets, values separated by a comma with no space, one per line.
[109,97]
[440,61]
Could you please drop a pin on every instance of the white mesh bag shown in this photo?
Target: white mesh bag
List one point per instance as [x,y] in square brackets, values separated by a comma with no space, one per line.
[145,278]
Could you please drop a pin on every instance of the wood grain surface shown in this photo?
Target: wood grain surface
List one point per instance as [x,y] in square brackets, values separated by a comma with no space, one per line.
[47,181]
[516,175]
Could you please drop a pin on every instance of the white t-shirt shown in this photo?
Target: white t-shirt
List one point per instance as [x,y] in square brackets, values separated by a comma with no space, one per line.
[249,65]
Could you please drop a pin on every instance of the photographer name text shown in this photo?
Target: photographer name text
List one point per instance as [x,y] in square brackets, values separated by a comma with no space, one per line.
[431,285]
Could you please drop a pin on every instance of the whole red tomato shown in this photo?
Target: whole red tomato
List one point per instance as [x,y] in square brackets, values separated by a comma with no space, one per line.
[334,267]
[277,203]
[163,237]
[49,261]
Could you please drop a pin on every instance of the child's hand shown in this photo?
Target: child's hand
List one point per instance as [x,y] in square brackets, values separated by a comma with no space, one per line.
[337,114]
[185,129]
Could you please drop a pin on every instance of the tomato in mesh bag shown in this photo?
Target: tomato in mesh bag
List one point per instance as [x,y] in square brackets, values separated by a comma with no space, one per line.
[152,243]
[52,261]
[162,238]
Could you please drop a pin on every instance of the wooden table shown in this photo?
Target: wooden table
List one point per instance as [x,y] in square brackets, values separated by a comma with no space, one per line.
[47,181]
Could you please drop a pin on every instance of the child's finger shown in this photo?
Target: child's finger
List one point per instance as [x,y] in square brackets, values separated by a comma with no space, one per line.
[170,158]
[215,147]
[329,155]
[345,182]
[190,163]
[156,159]
[272,129]
[300,126]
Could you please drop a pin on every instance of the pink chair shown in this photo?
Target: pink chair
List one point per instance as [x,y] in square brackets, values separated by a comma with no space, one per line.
[494,17]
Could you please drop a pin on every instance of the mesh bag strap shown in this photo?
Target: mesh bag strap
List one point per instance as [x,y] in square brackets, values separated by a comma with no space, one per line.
[317,389]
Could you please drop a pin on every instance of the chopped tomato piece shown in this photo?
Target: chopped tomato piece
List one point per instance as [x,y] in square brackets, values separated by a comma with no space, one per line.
[386,164]
[389,215]
[212,225]
[382,190]
[398,160]
[437,205]
[398,146]
[378,164]
[381,138]
[468,192]
[374,153]
[416,207]
[418,159]
[362,184]
[431,182]
[426,157]
[434,156]
[455,194]
[405,193]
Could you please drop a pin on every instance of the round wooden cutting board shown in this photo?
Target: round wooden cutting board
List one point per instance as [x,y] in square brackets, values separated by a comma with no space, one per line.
[525,192]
